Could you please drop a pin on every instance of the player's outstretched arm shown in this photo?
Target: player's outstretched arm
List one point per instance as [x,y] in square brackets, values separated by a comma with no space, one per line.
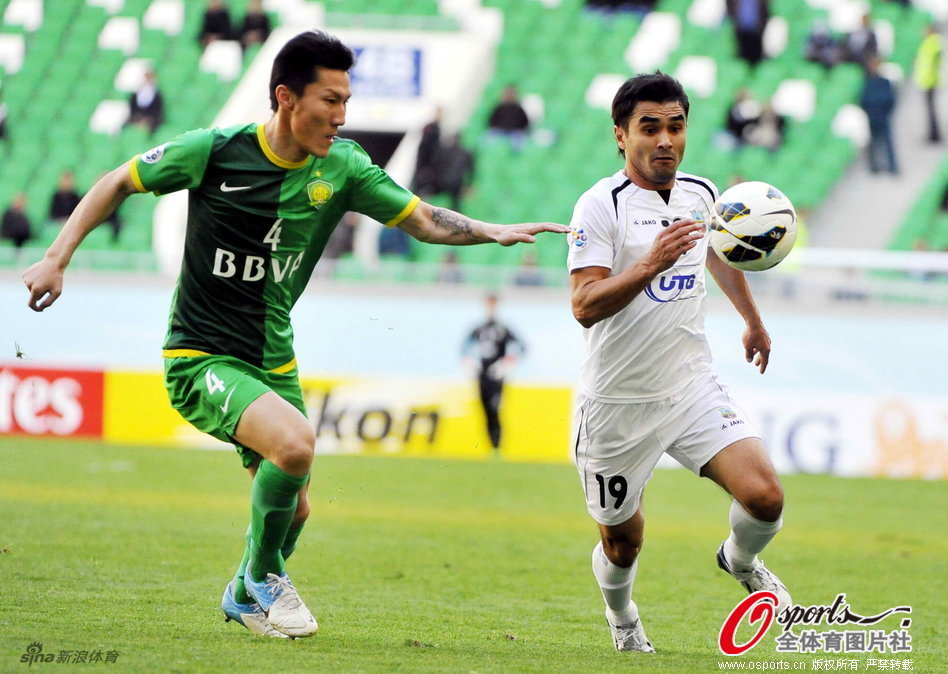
[440,225]
[44,279]
[733,283]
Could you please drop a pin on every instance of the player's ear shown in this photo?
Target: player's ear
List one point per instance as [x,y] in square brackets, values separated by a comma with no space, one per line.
[285,96]
[620,137]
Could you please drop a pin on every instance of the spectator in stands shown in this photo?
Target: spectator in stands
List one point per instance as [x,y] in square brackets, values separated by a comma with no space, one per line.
[394,241]
[821,46]
[450,270]
[16,223]
[861,46]
[529,273]
[256,26]
[509,120]
[927,74]
[216,23]
[452,169]
[767,130]
[65,198]
[744,112]
[749,18]
[878,100]
[423,181]
[146,107]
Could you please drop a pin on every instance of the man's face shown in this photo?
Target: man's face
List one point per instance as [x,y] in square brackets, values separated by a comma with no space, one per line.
[316,115]
[654,143]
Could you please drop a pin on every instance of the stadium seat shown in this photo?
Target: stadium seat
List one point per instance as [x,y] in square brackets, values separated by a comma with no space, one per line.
[707,13]
[109,117]
[12,52]
[224,58]
[25,13]
[698,74]
[603,89]
[110,6]
[851,122]
[131,74]
[165,15]
[776,36]
[795,98]
[658,36]
[122,33]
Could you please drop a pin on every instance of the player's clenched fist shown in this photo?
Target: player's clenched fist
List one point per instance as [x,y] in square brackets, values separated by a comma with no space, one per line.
[44,280]
[674,241]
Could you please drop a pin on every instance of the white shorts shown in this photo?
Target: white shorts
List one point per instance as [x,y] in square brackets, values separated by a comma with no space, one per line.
[616,445]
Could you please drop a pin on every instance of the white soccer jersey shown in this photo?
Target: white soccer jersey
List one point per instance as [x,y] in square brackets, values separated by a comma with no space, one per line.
[656,344]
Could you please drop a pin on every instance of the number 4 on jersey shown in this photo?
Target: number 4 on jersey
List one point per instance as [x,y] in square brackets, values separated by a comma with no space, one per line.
[273,236]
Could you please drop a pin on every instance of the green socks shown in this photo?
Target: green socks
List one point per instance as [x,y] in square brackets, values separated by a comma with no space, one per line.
[273,500]
[289,545]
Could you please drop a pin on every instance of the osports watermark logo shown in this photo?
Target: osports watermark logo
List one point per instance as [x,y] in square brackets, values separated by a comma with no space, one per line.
[760,611]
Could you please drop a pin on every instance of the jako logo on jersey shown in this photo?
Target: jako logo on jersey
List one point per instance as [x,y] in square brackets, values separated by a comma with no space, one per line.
[577,237]
[154,154]
[668,288]
[319,192]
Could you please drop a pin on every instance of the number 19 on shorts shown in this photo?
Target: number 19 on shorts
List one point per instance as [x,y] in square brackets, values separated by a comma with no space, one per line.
[612,491]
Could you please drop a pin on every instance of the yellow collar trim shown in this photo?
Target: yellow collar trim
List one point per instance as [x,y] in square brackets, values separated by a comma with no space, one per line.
[272,156]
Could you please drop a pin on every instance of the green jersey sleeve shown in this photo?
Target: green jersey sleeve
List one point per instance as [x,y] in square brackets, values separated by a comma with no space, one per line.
[376,194]
[176,165]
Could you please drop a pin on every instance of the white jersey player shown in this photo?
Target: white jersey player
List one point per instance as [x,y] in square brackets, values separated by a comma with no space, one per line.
[637,260]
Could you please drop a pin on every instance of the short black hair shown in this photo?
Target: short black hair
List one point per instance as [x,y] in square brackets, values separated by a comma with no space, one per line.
[655,88]
[300,59]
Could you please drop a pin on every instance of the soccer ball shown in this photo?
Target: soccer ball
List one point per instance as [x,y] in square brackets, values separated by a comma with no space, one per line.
[753,226]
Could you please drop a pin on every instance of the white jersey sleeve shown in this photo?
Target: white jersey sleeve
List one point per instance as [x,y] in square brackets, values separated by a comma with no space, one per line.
[592,237]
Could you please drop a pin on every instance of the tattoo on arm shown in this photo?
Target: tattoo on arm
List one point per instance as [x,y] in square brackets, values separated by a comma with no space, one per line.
[458,226]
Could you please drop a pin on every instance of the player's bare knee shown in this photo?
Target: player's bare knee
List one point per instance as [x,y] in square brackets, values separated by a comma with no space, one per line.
[297,446]
[766,503]
[621,551]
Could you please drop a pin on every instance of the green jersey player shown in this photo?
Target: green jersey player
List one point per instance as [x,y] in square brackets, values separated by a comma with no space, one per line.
[263,200]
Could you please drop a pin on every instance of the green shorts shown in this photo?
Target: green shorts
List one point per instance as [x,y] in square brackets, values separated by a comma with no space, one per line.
[212,392]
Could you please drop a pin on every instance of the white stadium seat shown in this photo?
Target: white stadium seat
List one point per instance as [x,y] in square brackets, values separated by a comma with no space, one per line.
[166,15]
[698,75]
[131,75]
[892,71]
[109,117]
[937,8]
[845,16]
[110,6]
[122,33]
[26,13]
[851,122]
[796,99]
[707,13]
[603,89]
[534,106]
[885,36]
[224,58]
[776,35]
[655,40]
[12,51]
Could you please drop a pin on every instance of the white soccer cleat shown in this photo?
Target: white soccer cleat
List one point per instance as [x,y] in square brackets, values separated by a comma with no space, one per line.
[757,579]
[630,637]
[285,611]
[250,615]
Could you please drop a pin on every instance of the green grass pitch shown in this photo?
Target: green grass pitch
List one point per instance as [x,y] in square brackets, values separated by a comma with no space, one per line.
[420,565]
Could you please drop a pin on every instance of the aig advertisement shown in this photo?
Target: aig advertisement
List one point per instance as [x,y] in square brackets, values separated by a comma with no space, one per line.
[849,435]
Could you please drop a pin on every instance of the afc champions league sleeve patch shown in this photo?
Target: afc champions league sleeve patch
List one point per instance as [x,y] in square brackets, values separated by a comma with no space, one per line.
[154,154]
[577,237]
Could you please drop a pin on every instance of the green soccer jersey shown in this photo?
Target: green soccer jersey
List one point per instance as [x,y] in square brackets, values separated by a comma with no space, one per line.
[257,225]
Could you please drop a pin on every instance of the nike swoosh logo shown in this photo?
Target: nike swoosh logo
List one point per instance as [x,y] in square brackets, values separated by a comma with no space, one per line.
[227,402]
[226,188]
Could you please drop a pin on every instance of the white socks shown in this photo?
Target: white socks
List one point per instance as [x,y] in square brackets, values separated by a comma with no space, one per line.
[616,585]
[748,537]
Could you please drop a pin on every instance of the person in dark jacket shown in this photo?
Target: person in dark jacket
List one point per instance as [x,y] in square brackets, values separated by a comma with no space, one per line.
[878,100]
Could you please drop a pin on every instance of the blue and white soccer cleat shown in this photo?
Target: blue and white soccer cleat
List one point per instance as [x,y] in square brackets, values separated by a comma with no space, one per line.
[250,616]
[758,578]
[285,611]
